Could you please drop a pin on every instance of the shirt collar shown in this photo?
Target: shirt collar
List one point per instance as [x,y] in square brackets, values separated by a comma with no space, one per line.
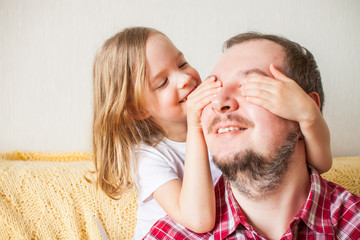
[230,217]
[315,213]
[238,215]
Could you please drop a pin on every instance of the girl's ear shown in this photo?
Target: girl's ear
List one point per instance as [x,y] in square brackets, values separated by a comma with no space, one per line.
[142,115]
[316,98]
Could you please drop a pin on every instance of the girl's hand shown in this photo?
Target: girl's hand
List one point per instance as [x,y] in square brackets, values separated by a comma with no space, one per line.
[199,99]
[281,96]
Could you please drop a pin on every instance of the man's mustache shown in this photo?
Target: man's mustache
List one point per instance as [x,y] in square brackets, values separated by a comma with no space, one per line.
[234,118]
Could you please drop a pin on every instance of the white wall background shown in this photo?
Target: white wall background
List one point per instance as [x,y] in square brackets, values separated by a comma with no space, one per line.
[47,49]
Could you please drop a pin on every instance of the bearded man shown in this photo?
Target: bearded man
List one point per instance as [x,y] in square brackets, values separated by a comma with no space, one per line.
[268,191]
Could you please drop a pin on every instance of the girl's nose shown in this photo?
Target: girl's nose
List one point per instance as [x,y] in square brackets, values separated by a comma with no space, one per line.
[184,81]
[224,102]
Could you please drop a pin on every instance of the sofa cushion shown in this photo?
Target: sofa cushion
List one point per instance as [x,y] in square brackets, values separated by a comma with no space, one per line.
[345,172]
[46,196]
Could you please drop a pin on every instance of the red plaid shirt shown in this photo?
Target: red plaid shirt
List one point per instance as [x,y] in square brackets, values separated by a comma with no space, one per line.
[330,212]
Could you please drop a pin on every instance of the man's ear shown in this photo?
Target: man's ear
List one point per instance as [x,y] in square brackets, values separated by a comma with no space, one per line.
[142,115]
[316,98]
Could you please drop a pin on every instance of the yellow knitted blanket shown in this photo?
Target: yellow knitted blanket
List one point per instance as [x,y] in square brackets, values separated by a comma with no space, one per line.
[46,196]
[345,172]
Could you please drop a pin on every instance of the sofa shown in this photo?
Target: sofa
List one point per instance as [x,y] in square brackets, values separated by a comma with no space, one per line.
[47,195]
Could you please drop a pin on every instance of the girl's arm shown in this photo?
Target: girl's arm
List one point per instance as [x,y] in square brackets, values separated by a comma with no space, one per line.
[285,98]
[192,202]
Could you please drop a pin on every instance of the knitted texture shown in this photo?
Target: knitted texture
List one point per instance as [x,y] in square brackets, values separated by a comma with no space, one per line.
[42,198]
[48,156]
[345,172]
[46,196]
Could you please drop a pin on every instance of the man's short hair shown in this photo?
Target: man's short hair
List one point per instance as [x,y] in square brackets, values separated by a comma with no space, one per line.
[300,64]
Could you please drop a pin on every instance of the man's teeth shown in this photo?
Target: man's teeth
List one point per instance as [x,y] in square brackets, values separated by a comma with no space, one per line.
[228,129]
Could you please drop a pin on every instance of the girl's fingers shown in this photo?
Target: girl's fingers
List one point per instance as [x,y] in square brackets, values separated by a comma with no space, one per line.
[277,74]
[257,89]
[208,83]
[206,88]
[258,93]
[280,95]
[261,82]
[197,100]
[274,86]
[210,78]
[260,102]
[203,99]
[255,85]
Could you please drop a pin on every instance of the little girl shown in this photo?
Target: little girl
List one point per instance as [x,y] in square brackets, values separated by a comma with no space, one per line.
[146,130]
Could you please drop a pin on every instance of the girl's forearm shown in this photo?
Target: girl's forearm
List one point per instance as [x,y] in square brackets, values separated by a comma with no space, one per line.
[317,142]
[197,198]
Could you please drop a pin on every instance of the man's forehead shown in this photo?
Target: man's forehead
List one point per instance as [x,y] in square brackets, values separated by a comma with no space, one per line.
[251,57]
[240,75]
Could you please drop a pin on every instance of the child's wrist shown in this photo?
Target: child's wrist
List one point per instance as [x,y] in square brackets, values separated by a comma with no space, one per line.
[192,127]
[311,114]
[193,122]
[310,120]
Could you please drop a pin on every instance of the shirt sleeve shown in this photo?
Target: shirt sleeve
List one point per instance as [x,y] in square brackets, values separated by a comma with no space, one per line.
[154,169]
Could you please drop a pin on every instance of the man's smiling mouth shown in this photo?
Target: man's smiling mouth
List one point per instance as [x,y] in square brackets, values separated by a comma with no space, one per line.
[230,122]
[230,129]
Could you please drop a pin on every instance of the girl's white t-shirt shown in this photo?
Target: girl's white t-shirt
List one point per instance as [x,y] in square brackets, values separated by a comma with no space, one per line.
[156,166]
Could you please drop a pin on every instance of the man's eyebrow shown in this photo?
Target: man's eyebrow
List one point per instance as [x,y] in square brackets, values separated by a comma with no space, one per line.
[255,70]
[241,73]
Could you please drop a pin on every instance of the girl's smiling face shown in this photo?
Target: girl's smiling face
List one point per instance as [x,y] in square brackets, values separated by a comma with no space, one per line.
[171,80]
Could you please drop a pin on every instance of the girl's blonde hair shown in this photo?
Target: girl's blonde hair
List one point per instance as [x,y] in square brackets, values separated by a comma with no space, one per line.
[119,83]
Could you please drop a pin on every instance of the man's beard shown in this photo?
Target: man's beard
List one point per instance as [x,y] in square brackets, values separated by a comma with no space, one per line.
[256,176]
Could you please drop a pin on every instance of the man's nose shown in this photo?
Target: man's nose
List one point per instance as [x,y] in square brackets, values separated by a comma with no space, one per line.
[183,81]
[224,101]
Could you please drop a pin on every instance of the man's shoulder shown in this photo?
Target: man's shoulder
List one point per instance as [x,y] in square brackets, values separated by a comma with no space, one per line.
[344,210]
[336,195]
[339,196]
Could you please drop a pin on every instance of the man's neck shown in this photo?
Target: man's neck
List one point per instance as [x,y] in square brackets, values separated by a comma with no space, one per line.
[272,215]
